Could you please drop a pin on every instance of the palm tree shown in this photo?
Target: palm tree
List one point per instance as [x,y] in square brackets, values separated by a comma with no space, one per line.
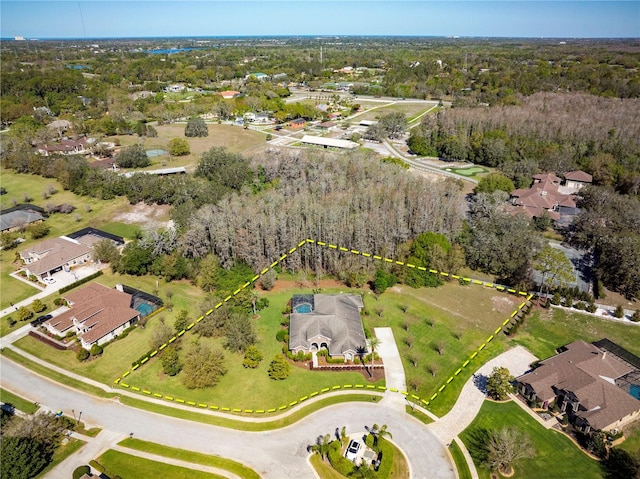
[373,344]
[322,446]
[379,431]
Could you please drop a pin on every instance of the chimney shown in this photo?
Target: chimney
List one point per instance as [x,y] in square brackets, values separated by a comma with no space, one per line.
[120,288]
[604,355]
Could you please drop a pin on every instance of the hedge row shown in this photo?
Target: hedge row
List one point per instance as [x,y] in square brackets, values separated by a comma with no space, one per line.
[340,463]
[80,281]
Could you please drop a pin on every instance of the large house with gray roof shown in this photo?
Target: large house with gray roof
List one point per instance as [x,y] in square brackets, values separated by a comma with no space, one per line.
[596,384]
[327,321]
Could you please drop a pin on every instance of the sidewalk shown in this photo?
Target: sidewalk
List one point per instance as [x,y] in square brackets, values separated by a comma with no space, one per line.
[393,369]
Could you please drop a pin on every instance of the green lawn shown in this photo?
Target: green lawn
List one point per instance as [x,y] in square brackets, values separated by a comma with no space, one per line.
[460,461]
[546,330]
[632,438]
[18,402]
[190,456]
[457,318]
[61,453]
[128,466]
[553,451]
[468,171]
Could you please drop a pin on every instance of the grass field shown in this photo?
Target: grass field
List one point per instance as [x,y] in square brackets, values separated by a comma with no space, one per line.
[546,330]
[379,109]
[468,171]
[21,404]
[128,466]
[235,138]
[553,451]
[190,456]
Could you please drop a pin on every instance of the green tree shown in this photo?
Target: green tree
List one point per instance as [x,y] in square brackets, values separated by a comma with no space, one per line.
[135,259]
[106,252]
[182,320]
[506,447]
[196,127]
[279,368]
[38,306]
[252,357]
[23,457]
[322,446]
[383,280]
[24,313]
[38,230]
[7,241]
[239,332]
[161,335]
[499,383]
[493,182]
[203,367]
[178,147]
[133,157]
[379,432]
[394,124]
[373,343]
[229,170]
[171,361]
[554,266]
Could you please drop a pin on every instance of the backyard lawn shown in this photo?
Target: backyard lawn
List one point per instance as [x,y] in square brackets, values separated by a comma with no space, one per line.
[553,451]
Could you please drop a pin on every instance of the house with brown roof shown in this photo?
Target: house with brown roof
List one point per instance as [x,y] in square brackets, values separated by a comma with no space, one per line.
[327,321]
[65,147]
[97,314]
[549,194]
[596,385]
[575,180]
[298,123]
[54,254]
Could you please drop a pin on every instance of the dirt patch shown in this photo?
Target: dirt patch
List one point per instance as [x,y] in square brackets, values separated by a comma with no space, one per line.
[150,216]
[502,304]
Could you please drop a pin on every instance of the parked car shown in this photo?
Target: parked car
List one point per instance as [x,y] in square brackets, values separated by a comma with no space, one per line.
[40,319]
[49,280]
[352,450]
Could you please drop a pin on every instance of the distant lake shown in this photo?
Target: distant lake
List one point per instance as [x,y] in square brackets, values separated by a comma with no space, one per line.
[169,51]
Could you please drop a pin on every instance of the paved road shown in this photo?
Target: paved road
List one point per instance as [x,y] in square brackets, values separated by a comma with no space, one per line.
[273,454]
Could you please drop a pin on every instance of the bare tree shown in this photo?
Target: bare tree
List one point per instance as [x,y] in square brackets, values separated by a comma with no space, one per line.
[507,446]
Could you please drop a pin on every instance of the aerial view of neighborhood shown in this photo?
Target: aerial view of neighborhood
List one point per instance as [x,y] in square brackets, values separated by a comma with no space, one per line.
[326,243]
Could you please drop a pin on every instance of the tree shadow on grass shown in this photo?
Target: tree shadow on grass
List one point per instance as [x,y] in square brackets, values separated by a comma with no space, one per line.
[476,440]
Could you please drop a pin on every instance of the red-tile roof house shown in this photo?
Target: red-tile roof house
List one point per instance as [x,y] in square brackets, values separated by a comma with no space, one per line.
[543,195]
[54,254]
[581,380]
[65,147]
[98,314]
[228,94]
[577,179]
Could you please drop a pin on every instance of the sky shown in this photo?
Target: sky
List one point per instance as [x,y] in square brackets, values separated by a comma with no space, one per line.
[471,18]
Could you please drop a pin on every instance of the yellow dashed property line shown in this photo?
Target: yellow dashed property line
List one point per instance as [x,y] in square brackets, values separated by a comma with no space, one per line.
[342,249]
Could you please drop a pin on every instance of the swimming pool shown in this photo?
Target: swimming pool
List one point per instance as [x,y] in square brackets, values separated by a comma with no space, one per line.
[152,153]
[634,390]
[303,308]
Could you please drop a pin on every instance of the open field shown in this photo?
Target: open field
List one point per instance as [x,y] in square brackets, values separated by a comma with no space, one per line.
[129,466]
[408,108]
[235,138]
[553,451]
[546,330]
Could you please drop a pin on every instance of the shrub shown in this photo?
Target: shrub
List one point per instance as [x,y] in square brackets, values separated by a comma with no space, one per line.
[81,471]
[24,314]
[580,306]
[38,306]
[178,147]
[592,308]
[82,354]
[96,350]
[568,301]
[618,312]
[279,368]
[59,301]
[636,316]
[252,357]
[10,321]
[557,299]
[282,334]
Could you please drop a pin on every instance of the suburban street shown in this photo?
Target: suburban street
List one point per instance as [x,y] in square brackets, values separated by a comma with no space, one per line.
[273,454]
